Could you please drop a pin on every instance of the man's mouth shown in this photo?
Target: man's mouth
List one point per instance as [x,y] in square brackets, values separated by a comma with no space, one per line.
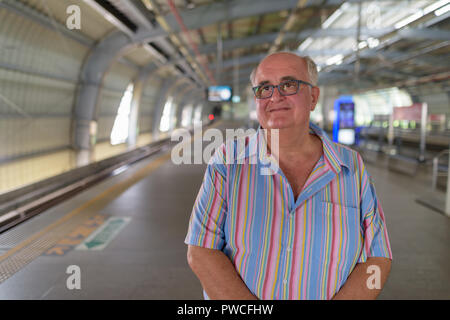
[278,109]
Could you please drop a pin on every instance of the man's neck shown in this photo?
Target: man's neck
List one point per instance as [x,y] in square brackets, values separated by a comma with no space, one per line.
[292,143]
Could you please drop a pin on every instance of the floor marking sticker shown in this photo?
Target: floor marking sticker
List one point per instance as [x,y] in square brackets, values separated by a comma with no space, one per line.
[99,239]
[76,236]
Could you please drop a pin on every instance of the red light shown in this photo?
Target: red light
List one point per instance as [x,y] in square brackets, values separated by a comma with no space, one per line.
[211,117]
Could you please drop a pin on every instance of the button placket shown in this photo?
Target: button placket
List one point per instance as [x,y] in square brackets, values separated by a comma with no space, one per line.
[288,254]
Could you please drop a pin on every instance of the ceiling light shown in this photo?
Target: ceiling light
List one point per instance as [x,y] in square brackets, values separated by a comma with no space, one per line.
[435,6]
[373,42]
[305,44]
[337,60]
[408,20]
[442,10]
[332,18]
[148,5]
[362,45]
[335,15]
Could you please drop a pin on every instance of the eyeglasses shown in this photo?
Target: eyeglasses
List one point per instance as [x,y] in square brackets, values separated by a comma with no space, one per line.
[285,88]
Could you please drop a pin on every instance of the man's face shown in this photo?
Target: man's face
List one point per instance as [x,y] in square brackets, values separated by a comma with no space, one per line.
[279,112]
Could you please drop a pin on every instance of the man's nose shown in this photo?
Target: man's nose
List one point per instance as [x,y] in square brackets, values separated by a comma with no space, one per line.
[276,96]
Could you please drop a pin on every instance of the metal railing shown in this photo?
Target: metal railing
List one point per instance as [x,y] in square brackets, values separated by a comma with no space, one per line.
[436,169]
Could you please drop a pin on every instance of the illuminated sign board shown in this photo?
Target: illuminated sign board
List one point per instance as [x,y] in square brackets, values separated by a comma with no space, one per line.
[219,93]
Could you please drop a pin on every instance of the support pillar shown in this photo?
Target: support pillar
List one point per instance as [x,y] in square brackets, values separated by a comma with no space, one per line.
[447,196]
[423,132]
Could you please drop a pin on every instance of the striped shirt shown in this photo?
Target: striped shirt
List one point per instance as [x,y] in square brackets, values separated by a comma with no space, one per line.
[282,247]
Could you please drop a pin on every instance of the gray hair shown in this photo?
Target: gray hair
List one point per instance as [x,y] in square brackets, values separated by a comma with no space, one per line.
[311,66]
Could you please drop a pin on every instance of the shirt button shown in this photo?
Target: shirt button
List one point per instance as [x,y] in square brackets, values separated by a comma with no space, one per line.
[288,249]
[284,281]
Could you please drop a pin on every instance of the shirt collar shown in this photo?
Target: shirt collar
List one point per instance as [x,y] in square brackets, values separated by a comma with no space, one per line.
[257,142]
[330,149]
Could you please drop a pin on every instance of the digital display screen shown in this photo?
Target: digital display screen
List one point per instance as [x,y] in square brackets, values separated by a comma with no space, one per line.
[346,115]
[219,93]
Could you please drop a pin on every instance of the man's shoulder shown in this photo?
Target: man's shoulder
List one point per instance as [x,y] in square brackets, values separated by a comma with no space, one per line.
[344,149]
[349,157]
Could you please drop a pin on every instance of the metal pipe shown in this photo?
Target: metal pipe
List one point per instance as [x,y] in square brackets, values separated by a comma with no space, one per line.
[152,5]
[358,38]
[186,32]
[219,53]
[287,26]
[447,197]
[423,131]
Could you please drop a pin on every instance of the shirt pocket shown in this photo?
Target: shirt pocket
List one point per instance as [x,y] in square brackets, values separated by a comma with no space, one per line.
[337,194]
[340,242]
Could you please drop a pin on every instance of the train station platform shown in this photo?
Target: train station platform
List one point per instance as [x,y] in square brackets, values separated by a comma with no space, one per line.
[126,237]
[92,205]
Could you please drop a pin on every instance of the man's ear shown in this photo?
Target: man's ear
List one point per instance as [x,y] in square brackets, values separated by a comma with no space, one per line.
[315,93]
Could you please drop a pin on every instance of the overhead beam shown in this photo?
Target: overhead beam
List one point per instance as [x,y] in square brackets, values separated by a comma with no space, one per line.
[220,11]
[112,46]
[340,72]
[239,43]
[217,12]
[103,55]
[369,53]
[397,37]
[248,42]
[425,33]
[241,61]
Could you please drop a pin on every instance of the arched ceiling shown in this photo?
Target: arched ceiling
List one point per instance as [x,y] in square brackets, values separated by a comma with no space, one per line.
[383,43]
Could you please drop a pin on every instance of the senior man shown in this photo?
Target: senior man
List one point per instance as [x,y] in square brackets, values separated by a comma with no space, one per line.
[314,229]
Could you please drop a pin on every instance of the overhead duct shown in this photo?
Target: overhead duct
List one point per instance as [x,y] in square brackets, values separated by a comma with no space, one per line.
[186,32]
[189,62]
[134,10]
[157,51]
[128,17]
[180,69]
[113,15]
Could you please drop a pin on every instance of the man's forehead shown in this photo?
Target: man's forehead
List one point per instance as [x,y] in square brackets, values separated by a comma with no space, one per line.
[283,66]
[283,56]
[263,80]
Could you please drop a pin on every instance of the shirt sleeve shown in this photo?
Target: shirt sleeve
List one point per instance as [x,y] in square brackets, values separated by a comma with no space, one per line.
[373,224]
[206,225]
